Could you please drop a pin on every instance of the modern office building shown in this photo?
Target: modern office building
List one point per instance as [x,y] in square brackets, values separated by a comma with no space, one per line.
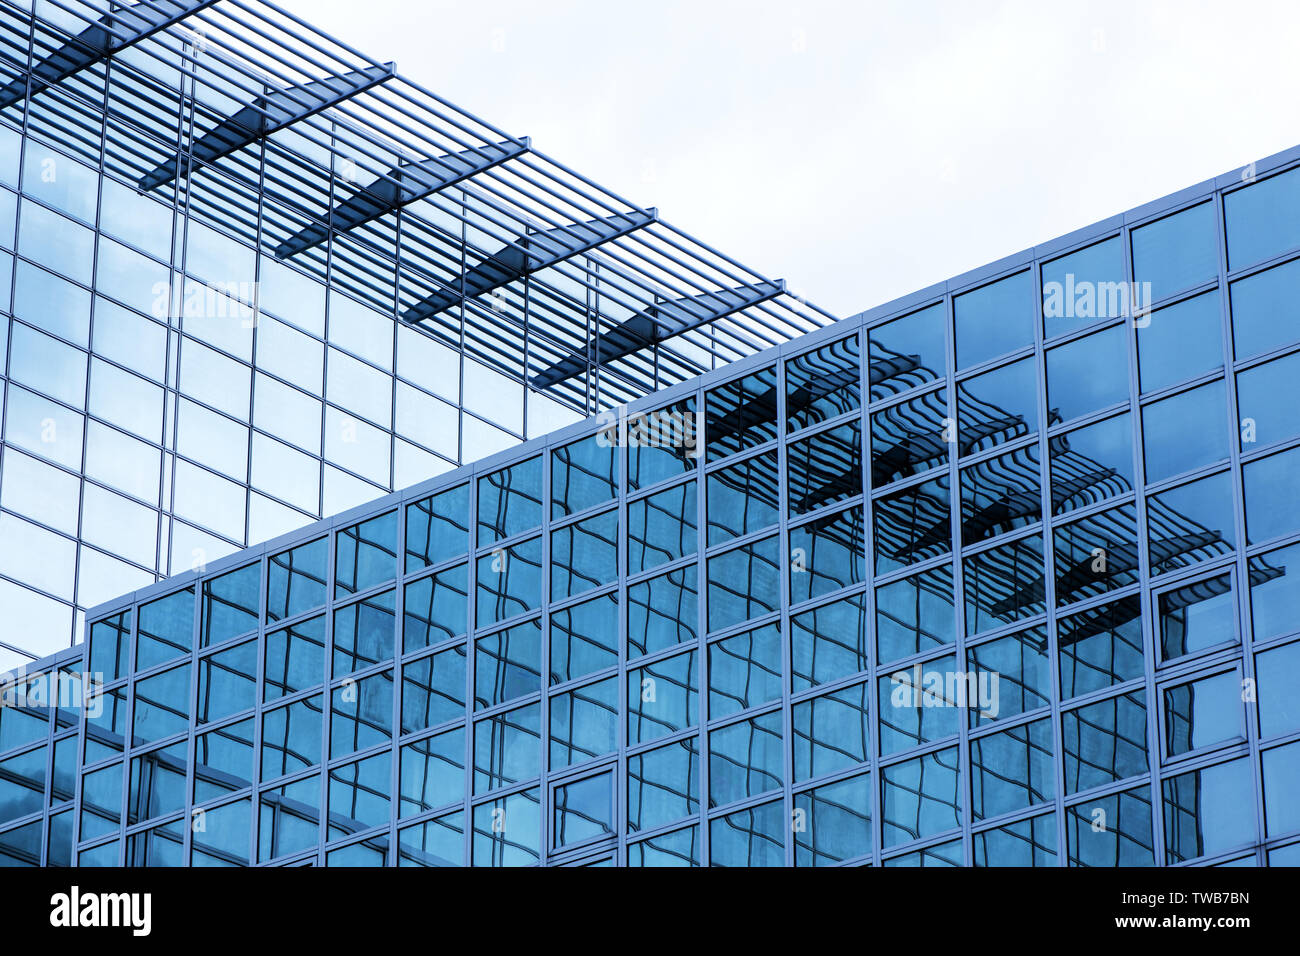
[1003,572]
[250,278]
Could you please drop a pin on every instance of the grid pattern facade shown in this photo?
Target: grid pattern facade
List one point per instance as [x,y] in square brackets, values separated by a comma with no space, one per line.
[206,346]
[974,579]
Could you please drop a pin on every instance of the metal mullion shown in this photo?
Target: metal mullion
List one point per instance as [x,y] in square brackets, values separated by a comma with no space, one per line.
[958,576]
[1243,618]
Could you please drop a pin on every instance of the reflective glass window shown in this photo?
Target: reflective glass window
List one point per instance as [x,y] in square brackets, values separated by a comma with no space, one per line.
[663,697]
[1265,310]
[366,555]
[296,580]
[435,608]
[1202,713]
[361,713]
[744,583]
[825,469]
[661,527]
[509,582]
[912,524]
[584,638]
[509,501]
[1012,769]
[1185,432]
[437,528]
[745,759]
[291,737]
[997,406]
[295,658]
[921,797]
[508,664]
[1096,554]
[907,352]
[832,822]
[744,670]
[1001,494]
[1004,584]
[831,732]
[1204,811]
[1190,523]
[740,414]
[507,748]
[433,690]
[743,498]
[1084,286]
[663,784]
[1272,506]
[584,555]
[823,383]
[1275,592]
[1105,741]
[364,633]
[1180,342]
[1092,463]
[915,613]
[1178,251]
[909,437]
[829,642]
[582,810]
[994,319]
[583,474]
[827,554]
[1197,616]
[584,723]
[1100,647]
[662,611]
[1262,219]
[1087,374]
[1110,831]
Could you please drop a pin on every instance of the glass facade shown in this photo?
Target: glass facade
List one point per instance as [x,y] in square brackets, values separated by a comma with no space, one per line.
[998,574]
[874,597]
[226,312]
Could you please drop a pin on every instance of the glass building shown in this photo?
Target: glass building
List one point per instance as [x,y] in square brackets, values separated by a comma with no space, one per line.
[250,278]
[1000,573]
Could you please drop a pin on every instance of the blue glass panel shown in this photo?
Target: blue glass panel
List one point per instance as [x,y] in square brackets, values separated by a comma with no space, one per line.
[1084,286]
[921,797]
[1272,506]
[1177,252]
[832,823]
[1185,432]
[1205,811]
[995,319]
[1262,219]
[1266,310]
[433,690]
[1087,374]
[1180,342]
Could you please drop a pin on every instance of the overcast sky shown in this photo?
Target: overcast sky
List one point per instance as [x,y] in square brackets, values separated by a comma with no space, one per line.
[861,150]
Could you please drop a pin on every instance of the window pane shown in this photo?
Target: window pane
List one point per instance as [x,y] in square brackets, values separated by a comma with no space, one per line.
[823,383]
[1088,374]
[1180,342]
[741,414]
[994,320]
[1185,432]
[908,352]
[1178,251]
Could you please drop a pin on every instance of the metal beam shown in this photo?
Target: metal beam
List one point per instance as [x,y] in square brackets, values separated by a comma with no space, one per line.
[660,321]
[269,114]
[401,185]
[530,253]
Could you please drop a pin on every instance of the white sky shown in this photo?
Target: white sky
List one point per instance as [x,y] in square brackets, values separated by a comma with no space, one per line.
[861,150]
